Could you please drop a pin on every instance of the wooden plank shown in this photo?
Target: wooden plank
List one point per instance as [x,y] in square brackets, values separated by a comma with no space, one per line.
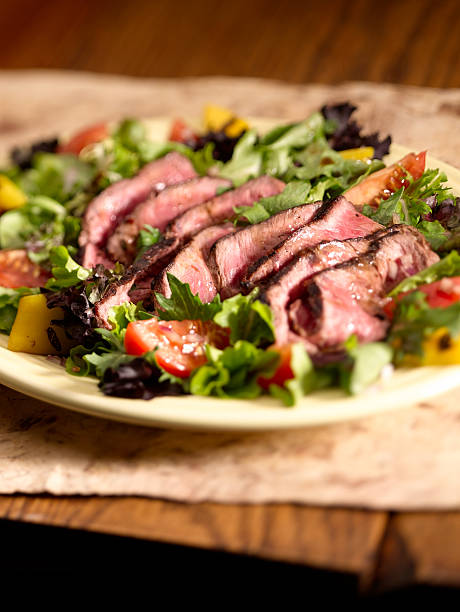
[420,548]
[409,42]
[336,539]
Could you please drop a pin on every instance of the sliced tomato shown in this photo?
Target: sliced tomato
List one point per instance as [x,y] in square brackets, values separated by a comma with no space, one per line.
[180,344]
[440,294]
[17,270]
[382,184]
[83,138]
[283,372]
[181,132]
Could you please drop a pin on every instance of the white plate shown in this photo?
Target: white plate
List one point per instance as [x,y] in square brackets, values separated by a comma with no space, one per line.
[40,378]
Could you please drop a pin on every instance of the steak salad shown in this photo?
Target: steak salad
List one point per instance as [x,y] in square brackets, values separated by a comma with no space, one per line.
[229,263]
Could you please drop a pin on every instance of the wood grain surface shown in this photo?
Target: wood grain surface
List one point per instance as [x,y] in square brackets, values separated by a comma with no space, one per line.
[401,41]
[411,42]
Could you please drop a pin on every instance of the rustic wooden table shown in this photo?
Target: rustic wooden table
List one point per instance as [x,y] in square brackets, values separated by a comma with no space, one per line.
[401,41]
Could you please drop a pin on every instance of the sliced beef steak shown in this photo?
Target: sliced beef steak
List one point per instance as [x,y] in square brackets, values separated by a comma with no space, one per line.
[231,256]
[335,220]
[220,209]
[153,261]
[105,211]
[179,232]
[288,283]
[349,297]
[191,263]
[158,210]
[93,256]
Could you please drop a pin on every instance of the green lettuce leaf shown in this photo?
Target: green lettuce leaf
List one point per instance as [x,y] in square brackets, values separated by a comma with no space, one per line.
[306,378]
[233,372]
[247,318]
[121,316]
[65,270]
[39,226]
[57,176]
[184,305]
[294,194]
[368,361]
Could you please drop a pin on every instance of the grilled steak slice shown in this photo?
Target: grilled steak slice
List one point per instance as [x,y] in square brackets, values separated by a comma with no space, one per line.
[349,297]
[118,200]
[335,220]
[231,256]
[191,263]
[93,255]
[158,210]
[220,209]
[140,272]
[287,285]
[178,233]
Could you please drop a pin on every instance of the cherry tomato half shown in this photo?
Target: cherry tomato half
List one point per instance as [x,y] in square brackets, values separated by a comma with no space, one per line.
[180,344]
[440,294]
[83,138]
[382,184]
[17,270]
[181,132]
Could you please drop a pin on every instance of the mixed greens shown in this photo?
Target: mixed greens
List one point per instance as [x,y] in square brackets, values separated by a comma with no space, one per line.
[308,156]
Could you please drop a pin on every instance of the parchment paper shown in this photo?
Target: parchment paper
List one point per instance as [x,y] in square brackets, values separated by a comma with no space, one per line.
[408,459]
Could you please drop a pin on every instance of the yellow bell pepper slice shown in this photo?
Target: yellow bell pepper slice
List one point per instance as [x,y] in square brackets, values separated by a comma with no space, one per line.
[33,318]
[441,349]
[217,117]
[236,127]
[10,194]
[359,154]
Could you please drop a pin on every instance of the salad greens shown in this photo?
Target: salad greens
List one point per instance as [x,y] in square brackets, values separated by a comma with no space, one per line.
[412,205]
[233,372]
[65,270]
[303,154]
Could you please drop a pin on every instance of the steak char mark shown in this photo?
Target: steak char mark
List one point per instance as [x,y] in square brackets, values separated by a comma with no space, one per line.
[178,233]
[335,220]
[349,297]
[287,285]
[231,256]
[191,264]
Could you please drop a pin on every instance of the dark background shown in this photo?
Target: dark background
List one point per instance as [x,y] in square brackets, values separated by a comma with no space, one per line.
[414,42]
